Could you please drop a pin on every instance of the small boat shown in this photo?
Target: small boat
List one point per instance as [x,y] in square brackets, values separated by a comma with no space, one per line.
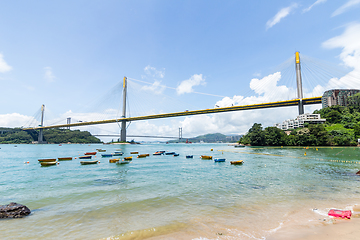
[101,150]
[48,163]
[85,157]
[127,158]
[47,160]
[157,153]
[189,156]
[106,155]
[142,156]
[114,160]
[239,145]
[176,154]
[123,162]
[64,158]
[147,154]
[134,152]
[169,153]
[117,153]
[118,149]
[90,153]
[237,162]
[88,162]
[206,157]
[219,160]
[340,213]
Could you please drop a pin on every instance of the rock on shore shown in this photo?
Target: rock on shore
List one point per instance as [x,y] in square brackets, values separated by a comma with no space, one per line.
[14,210]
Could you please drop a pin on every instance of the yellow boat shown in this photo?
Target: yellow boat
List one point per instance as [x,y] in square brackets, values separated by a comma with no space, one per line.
[134,152]
[142,156]
[127,158]
[206,157]
[114,160]
[237,162]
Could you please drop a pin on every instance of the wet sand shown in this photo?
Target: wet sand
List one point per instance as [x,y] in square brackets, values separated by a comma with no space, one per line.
[339,229]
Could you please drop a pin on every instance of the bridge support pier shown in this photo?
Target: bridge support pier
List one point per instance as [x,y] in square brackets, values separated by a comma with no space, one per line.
[299,82]
[41,135]
[123,123]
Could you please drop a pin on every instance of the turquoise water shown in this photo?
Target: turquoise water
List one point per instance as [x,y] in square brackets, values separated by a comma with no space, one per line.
[167,197]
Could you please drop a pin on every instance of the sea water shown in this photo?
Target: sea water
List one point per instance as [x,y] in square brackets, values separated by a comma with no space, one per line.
[167,197]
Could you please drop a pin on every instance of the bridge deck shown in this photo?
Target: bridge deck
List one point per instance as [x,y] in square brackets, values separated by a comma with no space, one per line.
[293,102]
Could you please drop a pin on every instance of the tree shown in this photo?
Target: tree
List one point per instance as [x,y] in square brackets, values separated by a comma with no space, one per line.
[274,136]
[257,135]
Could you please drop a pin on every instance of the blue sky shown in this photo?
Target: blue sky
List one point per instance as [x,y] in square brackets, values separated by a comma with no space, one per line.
[69,55]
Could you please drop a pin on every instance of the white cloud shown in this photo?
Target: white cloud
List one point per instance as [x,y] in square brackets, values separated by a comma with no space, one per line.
[155,88]
[49,76]
[345,7]
[280,15]
[314,4]
[186,86]
[153,72]
[4,67]
[12,120]
[349,42]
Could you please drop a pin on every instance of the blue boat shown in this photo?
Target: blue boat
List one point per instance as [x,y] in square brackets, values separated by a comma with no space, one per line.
[118,154]
[169,153]
[219,159]
[176,154]
[106,155]
[85,157]
[189,156]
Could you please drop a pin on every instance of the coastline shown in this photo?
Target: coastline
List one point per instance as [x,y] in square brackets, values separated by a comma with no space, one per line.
[339,229]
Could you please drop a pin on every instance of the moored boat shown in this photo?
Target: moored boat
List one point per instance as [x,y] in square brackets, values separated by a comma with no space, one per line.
[239,145]
[88,162]
[206,157]
[219,160]
[48,163]
[106,155]
[47,160]
[117,153]
[122,162]
[176,154]
[64,158]
[85,157]
[237,162]
[169,153]
[134,152]
[114,160]
[101,150]
[142,156]
[189,156]
[90,153]
[128,158]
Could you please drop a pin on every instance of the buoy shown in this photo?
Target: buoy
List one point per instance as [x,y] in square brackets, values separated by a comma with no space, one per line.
[99,161]
[27,162]
[305,154]
[211,149]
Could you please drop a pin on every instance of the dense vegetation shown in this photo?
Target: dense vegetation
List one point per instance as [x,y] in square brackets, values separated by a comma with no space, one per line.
[342,128]
[17,135]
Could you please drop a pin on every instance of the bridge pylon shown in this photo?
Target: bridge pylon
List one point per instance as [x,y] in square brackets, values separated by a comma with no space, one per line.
[41,135]
[123,122]
[299,82]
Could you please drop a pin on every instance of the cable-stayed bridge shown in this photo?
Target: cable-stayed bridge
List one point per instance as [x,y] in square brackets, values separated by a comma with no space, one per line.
[300,101]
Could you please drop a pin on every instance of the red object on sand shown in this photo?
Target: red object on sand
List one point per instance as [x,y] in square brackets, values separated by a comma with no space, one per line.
[340,213]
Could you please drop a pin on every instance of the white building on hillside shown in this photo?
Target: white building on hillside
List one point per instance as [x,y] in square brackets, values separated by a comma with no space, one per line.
[299,121]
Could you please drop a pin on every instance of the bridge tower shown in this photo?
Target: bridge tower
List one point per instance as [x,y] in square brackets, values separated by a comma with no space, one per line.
[299,82]
[123,122]
[41,135]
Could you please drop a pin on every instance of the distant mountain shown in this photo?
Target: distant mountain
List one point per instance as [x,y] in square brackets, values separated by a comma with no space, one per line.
[210,138]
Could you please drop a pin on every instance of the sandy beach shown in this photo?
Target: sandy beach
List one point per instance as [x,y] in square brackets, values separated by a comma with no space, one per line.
[339,229]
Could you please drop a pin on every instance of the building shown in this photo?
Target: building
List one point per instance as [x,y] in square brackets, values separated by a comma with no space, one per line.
[299,121]
[337,97]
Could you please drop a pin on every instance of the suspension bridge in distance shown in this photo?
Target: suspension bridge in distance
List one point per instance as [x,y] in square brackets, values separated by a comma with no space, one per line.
[300,102]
